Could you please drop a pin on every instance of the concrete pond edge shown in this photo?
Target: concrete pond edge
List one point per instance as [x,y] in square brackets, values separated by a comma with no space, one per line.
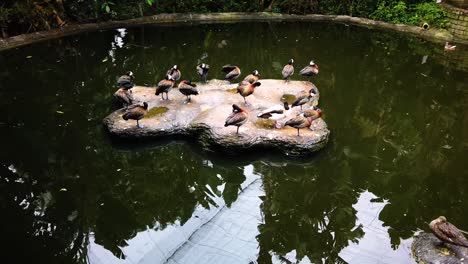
[435,35]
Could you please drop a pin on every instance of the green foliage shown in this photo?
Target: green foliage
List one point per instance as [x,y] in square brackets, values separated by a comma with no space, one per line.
[413,14]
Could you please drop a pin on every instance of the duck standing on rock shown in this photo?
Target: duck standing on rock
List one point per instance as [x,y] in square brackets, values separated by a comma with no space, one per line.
[303,98]
[245,89]
[232,72]
[164,86]
[275,113]
[253,77]
[313,113]
[237,118]
[310,70]
[188,88]
[447,232]
[202,70]
[288,70]
[125,96]
[299,122]
[174,72]
[136,112]
[126,81]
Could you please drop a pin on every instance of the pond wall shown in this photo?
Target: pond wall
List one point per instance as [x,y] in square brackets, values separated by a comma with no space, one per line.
[458,21]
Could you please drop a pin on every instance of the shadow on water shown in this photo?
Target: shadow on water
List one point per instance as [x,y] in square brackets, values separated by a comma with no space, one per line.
[396,107]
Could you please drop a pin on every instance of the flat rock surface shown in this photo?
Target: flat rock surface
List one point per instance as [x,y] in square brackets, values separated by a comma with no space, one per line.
[428,249]
[203,118]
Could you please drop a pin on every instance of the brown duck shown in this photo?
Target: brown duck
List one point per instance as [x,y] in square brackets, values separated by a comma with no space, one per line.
[313,113]
[136,112]
[310,70]
[202,70]
[174,72]
[164,86]
[237,118]
[232,72]
[304,98]
[299,122]
[245,88]
[253,77]
[124,95]
[126,80]
[188,88]
[447,232]
[288,70]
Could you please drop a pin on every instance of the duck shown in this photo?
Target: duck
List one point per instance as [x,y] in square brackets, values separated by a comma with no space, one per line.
[124,95]
[303,98]
[202,70]
[174,72]
[232,72]
[447,232]
[164,86]
[136,112]
[237,118]
[313,113]
[126,81]
[245,89]
[449,47]
[299,122]
[310,70]
[253,77]
[276,112]
[288,70]
[188,88]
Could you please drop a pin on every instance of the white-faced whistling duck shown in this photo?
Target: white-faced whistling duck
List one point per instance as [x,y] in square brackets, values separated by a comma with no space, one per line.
[174,72]
[299,122]
[188,88]
[136,112]
[313,113]
[447,232]
[237,118]
[288,70]
[303,98]
[125,96]
[202,70]
[310,70]
[232,72]
[126,80]
[275,113]
[245,88]
[164,86]
[253,77]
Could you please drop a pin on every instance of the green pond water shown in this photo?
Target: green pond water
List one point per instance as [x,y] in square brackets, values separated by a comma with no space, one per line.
[397,156]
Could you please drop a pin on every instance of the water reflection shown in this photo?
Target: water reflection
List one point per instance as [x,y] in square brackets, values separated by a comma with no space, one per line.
[399,130]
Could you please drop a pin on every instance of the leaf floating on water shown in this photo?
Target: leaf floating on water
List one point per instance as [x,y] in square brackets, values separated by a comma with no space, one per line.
[105,59]
[63,190]
[28,57]
[446,146]
[59,112]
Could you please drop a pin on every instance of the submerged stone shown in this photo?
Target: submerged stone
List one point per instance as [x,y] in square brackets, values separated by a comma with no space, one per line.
[204,116]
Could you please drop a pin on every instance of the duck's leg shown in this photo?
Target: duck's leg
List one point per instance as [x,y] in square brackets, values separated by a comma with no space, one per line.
[298,133]
[167,95]
[138,124]
[237,132]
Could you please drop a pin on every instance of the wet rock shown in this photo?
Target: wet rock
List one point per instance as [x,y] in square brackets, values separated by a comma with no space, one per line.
[428,249]
[203,118]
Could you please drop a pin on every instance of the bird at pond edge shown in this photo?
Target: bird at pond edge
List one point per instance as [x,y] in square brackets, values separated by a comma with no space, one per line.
[174,72]
[164,86]
[449,47]
[126,80]
[237,118]
[232,72]
[202,70]
[253,77]
[447,232]
[245,89]
[288,70]
[299,122]
[303,98]
[276,112]
[310,70]
[136,112]
[124,95]
[188,89]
